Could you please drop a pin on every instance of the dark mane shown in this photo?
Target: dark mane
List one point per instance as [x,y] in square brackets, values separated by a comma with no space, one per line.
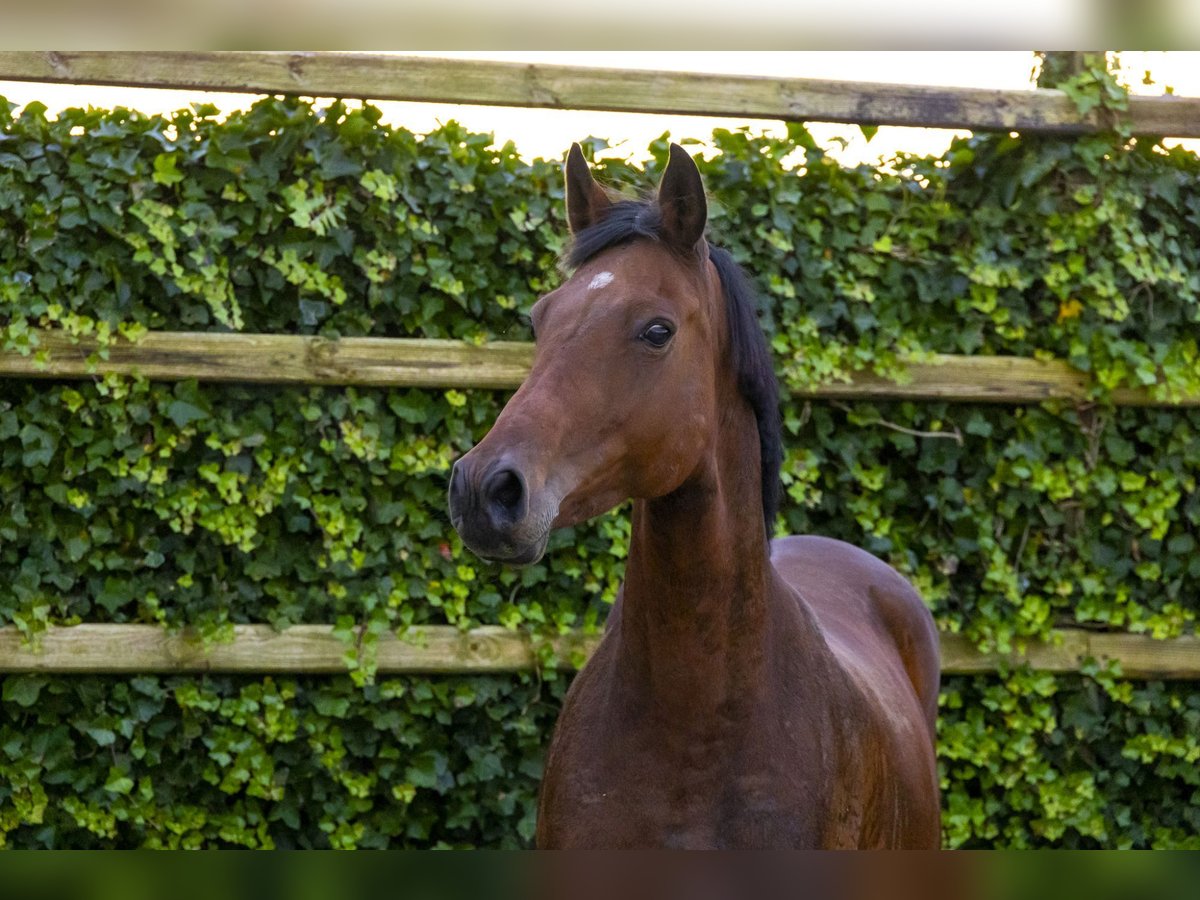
[630,219]
[756,374]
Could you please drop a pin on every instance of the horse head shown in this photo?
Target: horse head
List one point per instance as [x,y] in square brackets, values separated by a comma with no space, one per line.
[623,397]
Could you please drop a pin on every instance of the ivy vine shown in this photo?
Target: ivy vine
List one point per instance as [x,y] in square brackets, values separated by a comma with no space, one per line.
[123,500]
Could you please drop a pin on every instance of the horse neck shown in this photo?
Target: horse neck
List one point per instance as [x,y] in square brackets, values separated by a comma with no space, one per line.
[696,608]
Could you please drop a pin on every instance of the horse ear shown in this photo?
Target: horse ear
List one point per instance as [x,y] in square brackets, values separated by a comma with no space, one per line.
[681,199]
[586,201]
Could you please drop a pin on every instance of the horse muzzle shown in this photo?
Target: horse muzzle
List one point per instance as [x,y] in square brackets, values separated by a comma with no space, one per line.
[495,512]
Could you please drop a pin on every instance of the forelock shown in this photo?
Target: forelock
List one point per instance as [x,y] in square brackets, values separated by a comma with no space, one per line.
[623,222]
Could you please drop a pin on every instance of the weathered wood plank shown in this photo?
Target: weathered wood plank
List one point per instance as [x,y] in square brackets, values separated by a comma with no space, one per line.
[314,649]
[1139,655]
[126,649]
[987,379]
[383,77]
[283,359]
[403,362]
[959,656]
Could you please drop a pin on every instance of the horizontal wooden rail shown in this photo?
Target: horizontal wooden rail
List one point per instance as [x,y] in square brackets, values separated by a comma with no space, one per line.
[404,362]
[385,77]
[314,649]
[126,649]
[282,359]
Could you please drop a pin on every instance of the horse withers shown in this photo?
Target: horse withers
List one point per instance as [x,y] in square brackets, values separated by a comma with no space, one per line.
[747,693]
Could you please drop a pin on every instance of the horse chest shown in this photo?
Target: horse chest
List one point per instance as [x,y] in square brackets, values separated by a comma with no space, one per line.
[630,778]
[650,802]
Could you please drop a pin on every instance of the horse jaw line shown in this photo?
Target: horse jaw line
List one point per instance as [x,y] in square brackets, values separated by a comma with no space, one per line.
[603,279]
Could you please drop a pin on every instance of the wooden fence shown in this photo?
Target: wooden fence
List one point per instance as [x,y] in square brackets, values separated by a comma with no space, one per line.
[124,649]
[98,648]
[408,362]
[380,77]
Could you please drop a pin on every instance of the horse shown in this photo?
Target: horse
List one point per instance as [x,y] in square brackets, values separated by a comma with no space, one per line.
[746,692]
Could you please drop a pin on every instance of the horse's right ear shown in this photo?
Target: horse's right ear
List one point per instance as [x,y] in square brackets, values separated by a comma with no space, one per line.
[586,201]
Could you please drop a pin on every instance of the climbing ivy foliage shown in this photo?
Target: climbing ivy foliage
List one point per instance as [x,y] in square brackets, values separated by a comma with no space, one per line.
[123,500]
[272,763]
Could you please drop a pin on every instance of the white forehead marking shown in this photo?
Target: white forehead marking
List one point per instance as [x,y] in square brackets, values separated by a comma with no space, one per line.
[601,280]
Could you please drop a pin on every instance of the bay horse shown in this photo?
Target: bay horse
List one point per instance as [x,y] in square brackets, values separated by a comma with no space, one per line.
[747,693]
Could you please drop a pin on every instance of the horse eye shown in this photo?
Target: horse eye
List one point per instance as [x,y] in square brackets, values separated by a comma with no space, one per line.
[657,334]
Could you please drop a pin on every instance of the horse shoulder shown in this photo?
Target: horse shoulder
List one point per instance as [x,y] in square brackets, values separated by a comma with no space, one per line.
[883,641]
[869,614]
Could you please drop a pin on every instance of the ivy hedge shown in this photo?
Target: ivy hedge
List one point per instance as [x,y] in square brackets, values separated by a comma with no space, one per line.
[196,504]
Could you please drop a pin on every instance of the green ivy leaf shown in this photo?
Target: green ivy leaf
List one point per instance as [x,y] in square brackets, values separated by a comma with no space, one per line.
[183,413]
[118,782]
[165,171]
[23,690]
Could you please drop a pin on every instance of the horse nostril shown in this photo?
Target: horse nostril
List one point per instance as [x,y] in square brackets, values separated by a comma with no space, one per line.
[505,493]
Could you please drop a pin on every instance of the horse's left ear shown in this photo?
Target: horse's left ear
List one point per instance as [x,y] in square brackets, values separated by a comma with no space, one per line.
[681,199]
